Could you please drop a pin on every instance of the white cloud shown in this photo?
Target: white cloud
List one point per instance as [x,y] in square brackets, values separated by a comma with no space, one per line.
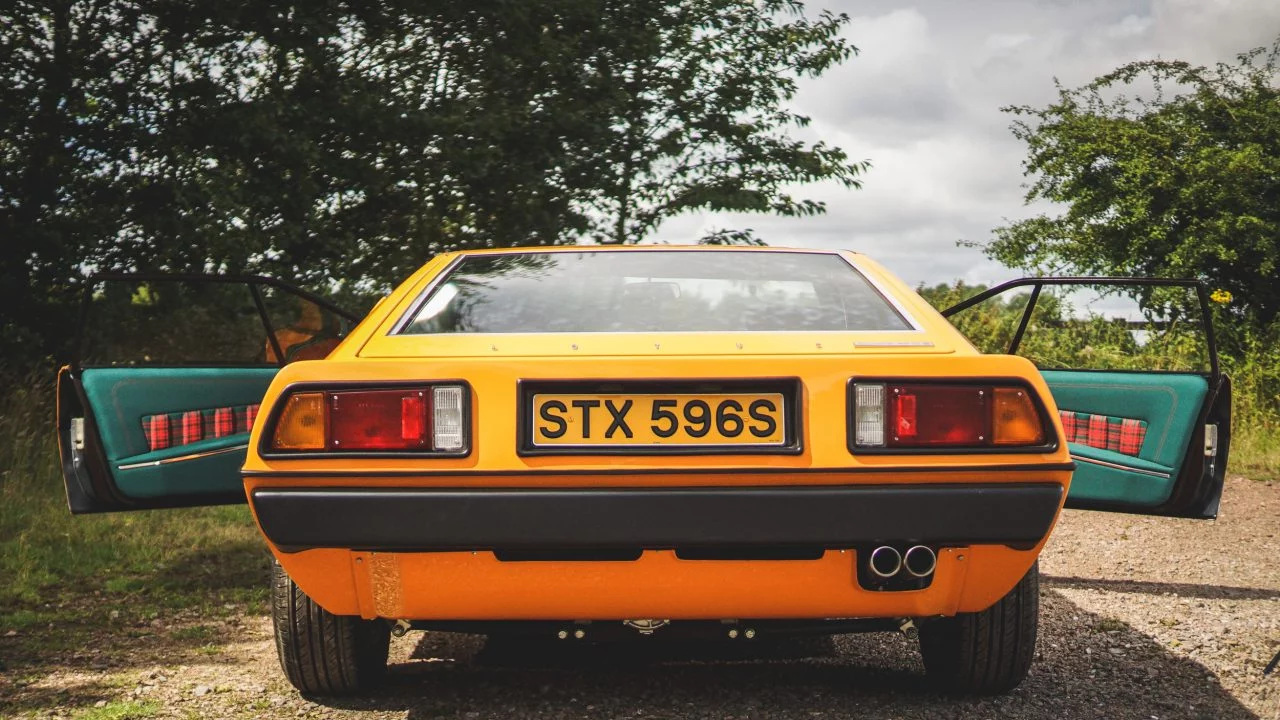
[1206,31]
[922,102]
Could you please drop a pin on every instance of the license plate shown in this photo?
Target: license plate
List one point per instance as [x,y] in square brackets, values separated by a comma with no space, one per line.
[648,420]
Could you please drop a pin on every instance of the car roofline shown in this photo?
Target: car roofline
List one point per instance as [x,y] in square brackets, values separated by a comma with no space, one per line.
[530,249]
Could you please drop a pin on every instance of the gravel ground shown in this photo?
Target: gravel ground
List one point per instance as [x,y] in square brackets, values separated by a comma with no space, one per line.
[1141,618]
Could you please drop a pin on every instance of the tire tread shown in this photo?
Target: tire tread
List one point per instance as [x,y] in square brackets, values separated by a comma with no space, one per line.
[985,652]
[322,653]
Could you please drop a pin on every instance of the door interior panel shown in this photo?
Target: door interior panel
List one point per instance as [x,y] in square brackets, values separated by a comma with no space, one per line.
[217,474]
[156,407]
[1168,403]
[1095,482]
[1154,440]
[124,400]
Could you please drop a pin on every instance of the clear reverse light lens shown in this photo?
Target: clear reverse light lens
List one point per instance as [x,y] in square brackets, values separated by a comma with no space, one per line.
[446,417]
[868,415]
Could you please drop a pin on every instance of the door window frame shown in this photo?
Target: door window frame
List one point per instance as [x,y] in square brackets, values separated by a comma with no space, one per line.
[1038,283]
[252,281]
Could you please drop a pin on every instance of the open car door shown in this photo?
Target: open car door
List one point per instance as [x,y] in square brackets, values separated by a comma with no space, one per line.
[1145,408]
[155,410]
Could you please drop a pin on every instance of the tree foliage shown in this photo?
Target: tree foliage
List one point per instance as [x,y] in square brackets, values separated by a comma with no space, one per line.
[1165,169]
[702,87]
[348,141]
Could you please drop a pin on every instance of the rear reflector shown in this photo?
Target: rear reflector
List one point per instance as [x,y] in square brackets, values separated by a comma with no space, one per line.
[419,419]
[893,416]
[413,417]
[907,422]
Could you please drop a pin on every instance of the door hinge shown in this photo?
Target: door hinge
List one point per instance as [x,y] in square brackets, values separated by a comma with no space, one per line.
[77,440]
[1211,440]
[77,433]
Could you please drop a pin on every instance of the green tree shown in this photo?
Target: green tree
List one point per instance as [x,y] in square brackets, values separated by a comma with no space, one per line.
[343,142]
[1165,169]
[696,92]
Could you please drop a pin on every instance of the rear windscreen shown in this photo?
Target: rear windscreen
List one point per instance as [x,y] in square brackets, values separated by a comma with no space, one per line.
[652,291]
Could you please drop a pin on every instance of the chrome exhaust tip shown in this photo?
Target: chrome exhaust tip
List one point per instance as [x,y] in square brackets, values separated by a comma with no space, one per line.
[885,561]
[920,561]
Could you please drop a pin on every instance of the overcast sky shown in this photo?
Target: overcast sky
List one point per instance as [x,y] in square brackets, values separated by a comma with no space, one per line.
[922,102]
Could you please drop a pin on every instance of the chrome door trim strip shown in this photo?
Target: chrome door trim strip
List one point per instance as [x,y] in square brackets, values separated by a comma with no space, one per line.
[1116,466]
[183,458]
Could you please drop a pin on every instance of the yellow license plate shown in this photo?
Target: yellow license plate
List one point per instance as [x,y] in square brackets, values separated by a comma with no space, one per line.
[644,420]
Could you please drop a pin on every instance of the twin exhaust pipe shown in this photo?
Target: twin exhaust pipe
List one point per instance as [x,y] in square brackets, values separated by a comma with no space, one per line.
[919,561]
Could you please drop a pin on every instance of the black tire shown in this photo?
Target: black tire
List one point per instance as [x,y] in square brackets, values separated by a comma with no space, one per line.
[985,652]
[322,653]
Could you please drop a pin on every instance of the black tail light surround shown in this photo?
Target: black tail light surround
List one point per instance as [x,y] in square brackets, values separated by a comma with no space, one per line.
[904,415]
[428,418]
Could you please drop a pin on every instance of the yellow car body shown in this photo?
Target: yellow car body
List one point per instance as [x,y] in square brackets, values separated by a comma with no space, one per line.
[473,584]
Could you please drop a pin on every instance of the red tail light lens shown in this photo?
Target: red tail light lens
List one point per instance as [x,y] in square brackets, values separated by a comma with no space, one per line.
[378,420]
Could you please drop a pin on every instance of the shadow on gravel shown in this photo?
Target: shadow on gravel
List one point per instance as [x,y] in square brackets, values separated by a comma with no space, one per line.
[1205,592]
[67,649]
[1081,671]
[78,665]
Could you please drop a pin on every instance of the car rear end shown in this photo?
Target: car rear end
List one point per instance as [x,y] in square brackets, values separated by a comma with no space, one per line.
[656,434]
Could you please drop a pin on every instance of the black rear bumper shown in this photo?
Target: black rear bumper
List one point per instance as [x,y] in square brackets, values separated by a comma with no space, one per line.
[405,520]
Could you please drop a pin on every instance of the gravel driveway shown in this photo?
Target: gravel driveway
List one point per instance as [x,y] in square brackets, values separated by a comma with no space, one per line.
[1141,618]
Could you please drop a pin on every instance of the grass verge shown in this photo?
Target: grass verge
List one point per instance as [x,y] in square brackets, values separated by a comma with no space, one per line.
[132,564]
[119,711]
[100,596]
[1255,453]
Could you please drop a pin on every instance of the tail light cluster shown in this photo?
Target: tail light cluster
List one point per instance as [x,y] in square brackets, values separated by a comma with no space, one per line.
[429,419]
[889,415]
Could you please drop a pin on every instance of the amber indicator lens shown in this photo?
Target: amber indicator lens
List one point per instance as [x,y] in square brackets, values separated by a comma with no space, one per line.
[379,420]
[301,425]
[938,416]
[1016,421]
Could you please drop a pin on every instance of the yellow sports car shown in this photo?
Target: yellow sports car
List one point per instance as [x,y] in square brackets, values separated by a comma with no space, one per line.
[587,441]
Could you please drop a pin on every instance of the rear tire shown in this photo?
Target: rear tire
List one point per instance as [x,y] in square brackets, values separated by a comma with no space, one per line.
[985,652]
[322,653]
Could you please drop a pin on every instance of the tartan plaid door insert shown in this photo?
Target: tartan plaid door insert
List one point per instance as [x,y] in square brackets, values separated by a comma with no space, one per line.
[183,428]
[1105,432]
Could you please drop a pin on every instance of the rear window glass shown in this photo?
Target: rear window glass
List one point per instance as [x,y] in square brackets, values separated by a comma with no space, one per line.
[652,291]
